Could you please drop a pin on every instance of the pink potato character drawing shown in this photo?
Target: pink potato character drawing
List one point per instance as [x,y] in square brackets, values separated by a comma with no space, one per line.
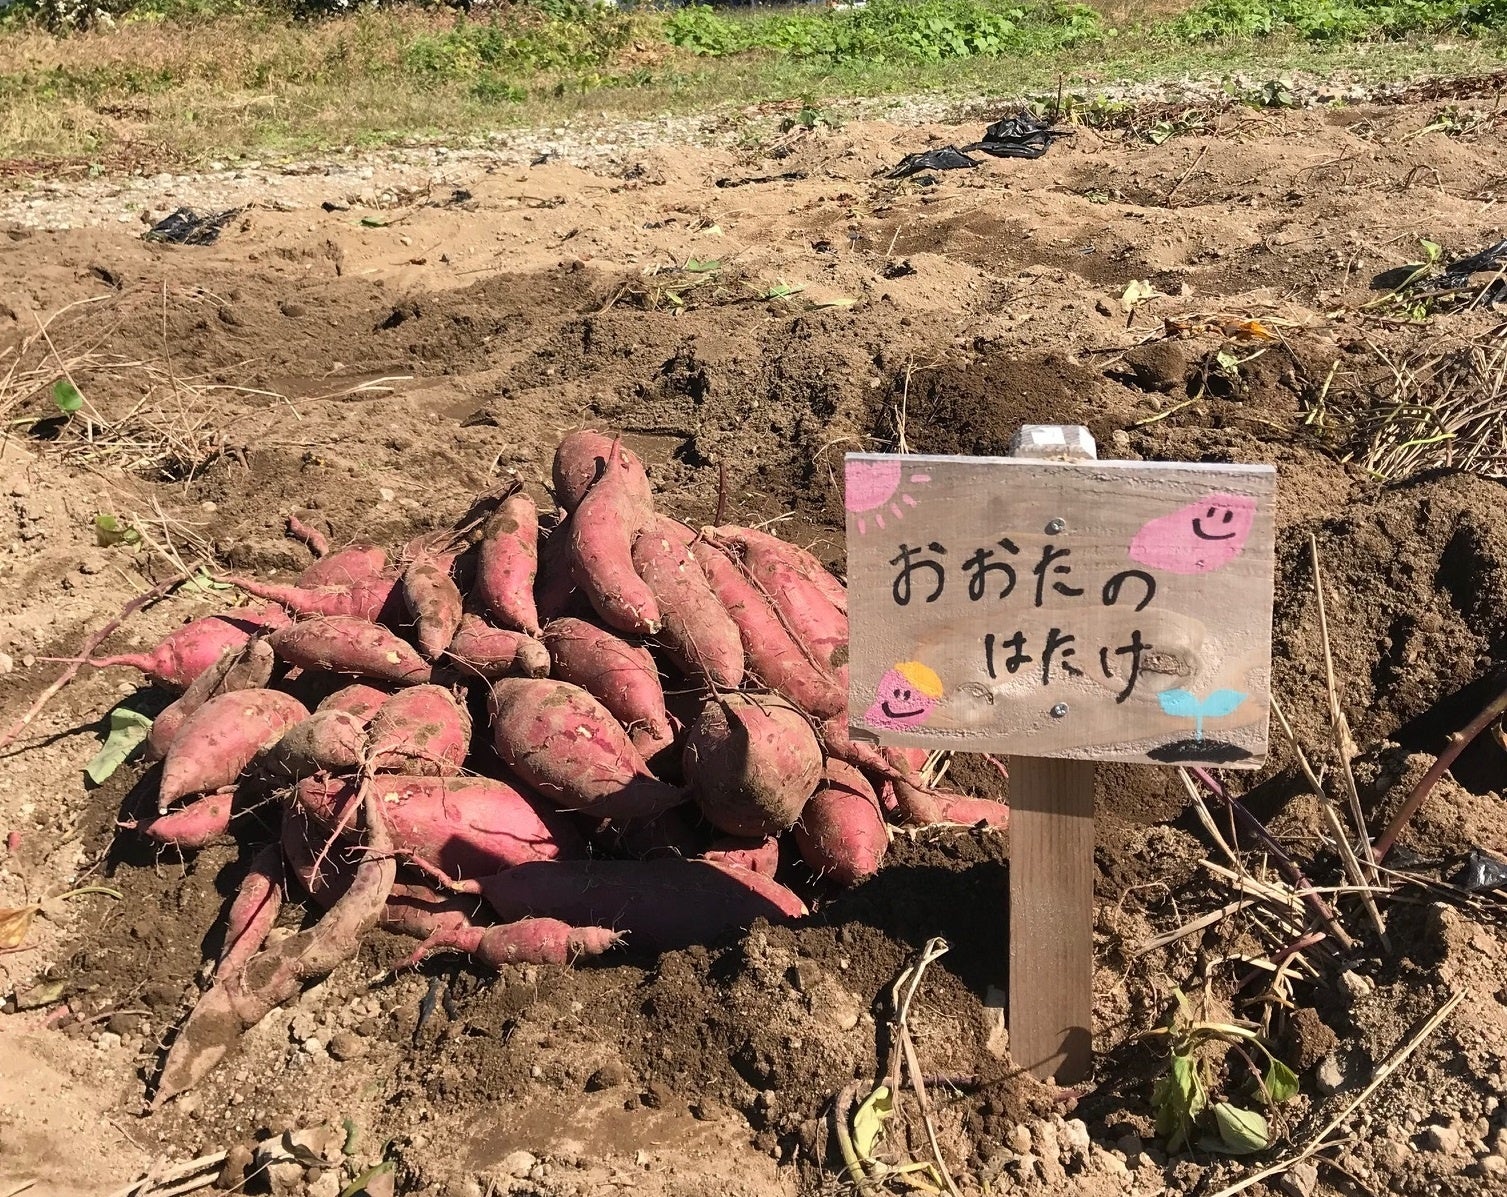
[905,698]
[1198,538]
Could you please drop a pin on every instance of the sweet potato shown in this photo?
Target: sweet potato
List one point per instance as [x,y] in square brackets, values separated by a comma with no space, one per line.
[317,542]
[507,564]
[192,826]
[325,742]
[528,941]
[345,567]
[257,901]
[661,905]
[698,633]
[922,808]
[751,762]
[620,676]
[772,654]
[455,827]
[581,459]
[492,653]
[669,834]
[276,974]
[366,598]
[434,601]
[601,532]
[193,648]
[812,620]
[841,833]
[566,746]
[763,546]
[421,730]
[344,644]
[248,667]
[757,856]
[218,741]
[359,699]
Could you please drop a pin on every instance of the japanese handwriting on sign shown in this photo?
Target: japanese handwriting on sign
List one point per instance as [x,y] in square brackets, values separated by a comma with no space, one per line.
[1008,653]
[985,572]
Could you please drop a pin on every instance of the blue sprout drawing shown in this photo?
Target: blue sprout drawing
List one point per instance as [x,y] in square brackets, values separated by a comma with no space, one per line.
[1185,705]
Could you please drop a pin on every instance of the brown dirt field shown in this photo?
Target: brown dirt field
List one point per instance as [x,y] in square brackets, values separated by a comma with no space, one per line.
[373,379]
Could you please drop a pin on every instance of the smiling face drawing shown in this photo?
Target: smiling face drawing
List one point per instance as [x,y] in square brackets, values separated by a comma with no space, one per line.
[906,696]
[1204,536]
[877,490]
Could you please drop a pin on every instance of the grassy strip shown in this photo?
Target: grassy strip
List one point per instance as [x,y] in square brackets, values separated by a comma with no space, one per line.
[190,83]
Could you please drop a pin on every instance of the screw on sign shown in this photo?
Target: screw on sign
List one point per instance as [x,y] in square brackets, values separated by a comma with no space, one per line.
[1064,611]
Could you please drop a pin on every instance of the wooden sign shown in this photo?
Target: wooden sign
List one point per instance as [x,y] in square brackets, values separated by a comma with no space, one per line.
[1094,610]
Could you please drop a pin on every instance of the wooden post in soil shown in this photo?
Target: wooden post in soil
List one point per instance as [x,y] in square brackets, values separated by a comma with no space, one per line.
[1063,611]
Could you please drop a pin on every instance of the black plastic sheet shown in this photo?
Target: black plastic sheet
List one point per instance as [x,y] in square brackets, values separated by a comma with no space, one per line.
[1018,136]
[949,157]
[187,227]
[1480,872]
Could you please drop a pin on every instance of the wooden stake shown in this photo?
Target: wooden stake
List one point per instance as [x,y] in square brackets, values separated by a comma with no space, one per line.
[1052,875]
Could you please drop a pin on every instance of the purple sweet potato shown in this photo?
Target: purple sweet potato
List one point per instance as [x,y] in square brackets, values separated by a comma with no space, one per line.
[345,644]
[758,544]
[459,827]
[751,762]
[816,624]
[344,568]
[620,676]
[601,532]
[566,746]
[492,653]
[757,856]
[555,591]
[528,941]
[257,901]
[841,833]
[581,459]
[200,822]
[435,604]
[218,741]
[360,699]
[365,598]
[661,905]
[421,731]
[193,648]
[698,633]
[248,667]
[507,564]
[772,653]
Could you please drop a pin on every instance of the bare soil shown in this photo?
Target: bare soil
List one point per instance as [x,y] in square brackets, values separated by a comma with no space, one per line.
[373,363]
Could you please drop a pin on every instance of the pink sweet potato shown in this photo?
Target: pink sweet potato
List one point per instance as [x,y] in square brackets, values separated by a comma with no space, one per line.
[528,941]
[802,606]
[344,568]
[317,541]
[661,905]
[359,699]
[435,604]
[581,459]
[601,532]
[325,742]
[620,676]
[842,833]
[555,591]
[200,822]
[773,655]
[566,746]
[218,741]
[366,598]
[248,667]
[257,901]
[762,545]
[757,856]
[669,834]
[751,762]
[193,648]
[459,827]
[421,730]
[492,653]
[344,644]
[507,563]
[698,633]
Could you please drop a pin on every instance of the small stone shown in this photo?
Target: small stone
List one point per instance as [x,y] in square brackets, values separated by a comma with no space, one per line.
[1355,985]
[108,1041]
[6,664]
[327,1184]
[385,494]
[1441,1138]
[293,311]
[608,1076]
[518,1164]
[1074,1138]
[233,1171]
[123,1022]
[1019,1140]
[1300,1179]
[1329,1076]
[303,1025]
[465,1186]
[347,1045]
[313,1045]
[1113,1164]
[189,1104]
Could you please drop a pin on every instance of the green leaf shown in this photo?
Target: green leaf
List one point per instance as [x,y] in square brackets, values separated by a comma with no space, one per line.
[868,1121]
[1432,248]
[128,730]
[1178,1100]
[1241,1132]
[202,581]
[1280,1082]
[703,266]
[66,396]
[109,531]
[373,222]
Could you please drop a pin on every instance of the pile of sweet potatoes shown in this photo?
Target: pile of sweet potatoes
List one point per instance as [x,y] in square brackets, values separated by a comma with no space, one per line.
[526,738]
